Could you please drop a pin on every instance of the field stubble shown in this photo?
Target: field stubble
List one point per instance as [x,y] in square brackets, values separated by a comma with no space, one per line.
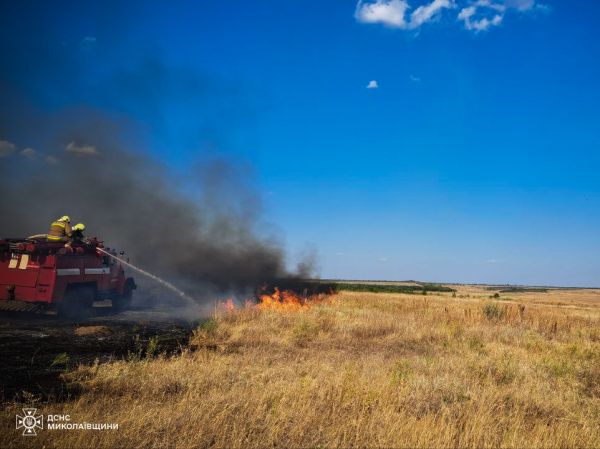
[358,370]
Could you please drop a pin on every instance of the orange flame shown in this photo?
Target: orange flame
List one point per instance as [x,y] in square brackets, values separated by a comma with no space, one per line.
[285,300]
[228,305]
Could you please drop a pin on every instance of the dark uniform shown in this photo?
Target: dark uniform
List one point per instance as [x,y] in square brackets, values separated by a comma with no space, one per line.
[77,236]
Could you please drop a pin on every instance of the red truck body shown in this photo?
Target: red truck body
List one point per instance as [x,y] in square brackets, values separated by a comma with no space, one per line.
[39,275]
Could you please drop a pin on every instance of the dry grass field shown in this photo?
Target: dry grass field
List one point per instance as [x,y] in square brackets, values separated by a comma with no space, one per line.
[357,370]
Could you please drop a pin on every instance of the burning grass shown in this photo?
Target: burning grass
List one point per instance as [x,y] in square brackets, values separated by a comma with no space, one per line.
[283,301]
[364,370]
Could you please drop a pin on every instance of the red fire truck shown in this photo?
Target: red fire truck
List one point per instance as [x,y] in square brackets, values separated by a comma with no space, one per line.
[49,277]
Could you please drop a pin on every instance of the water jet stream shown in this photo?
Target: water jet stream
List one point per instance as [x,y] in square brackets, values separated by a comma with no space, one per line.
[151,276]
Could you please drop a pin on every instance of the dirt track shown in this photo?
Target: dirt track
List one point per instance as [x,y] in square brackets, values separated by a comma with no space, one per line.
[35,350]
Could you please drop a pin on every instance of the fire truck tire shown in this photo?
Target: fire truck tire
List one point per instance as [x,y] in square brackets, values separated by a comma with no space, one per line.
[123,302]
[78,303]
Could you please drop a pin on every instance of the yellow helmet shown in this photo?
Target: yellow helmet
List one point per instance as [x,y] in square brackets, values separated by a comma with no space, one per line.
[79,227]
[65,218]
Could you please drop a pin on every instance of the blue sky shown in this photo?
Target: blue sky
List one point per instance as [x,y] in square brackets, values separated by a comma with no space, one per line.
[475,159]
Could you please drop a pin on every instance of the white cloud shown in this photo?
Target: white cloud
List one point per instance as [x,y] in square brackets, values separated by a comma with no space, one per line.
[476,15]
[466,13]
[29,153]
[83,150]
[415,79]
[393,12]
[484,14]
[475,21]
[388,12]
[32,155]
[373,85]
[6,148]
[496,6]
[521,5]
[426,13]
[51,160]
[383,259]
[527,5]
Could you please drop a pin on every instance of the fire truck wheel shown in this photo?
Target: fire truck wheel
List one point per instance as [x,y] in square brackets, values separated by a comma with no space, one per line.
[78,303]
[123,302]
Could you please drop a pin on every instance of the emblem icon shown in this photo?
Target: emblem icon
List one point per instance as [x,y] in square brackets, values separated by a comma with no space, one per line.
[30,421]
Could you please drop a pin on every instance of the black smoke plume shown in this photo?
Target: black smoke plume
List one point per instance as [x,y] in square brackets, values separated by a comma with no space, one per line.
[202,231]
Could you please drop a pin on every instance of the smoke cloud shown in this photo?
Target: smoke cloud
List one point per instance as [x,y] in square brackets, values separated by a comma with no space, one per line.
[202,232]
[83,130]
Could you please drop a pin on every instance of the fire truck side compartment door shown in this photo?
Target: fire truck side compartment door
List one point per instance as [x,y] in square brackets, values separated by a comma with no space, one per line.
[20,278]
[46,276]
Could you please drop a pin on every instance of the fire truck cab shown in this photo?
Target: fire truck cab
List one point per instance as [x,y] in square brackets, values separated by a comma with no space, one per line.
[48,277]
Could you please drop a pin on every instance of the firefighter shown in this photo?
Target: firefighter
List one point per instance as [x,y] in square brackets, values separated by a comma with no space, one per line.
[60,230]
[77,234]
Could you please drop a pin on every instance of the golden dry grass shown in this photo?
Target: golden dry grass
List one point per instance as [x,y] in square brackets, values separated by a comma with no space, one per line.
[366,370]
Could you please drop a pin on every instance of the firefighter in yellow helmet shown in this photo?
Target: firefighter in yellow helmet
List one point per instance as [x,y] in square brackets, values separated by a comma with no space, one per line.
[77,233]
[60,230]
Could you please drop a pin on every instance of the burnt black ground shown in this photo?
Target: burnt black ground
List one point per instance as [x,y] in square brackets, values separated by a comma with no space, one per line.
[35,350]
